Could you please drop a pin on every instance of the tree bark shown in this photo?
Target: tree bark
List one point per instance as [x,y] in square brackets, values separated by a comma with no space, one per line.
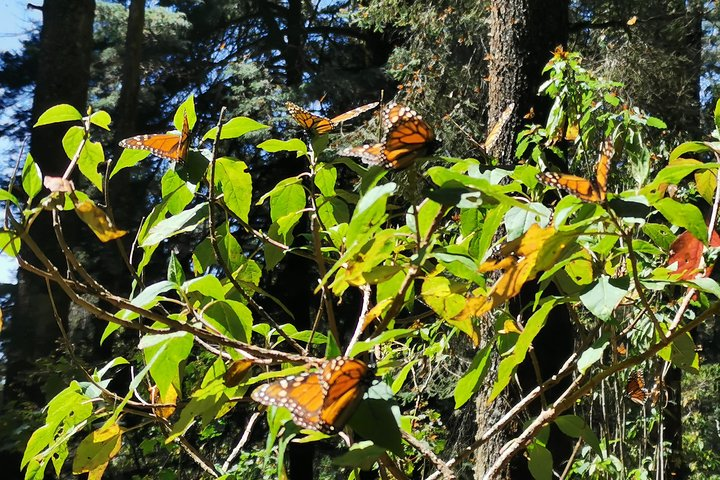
[128,101]
[523,33]
[62,77]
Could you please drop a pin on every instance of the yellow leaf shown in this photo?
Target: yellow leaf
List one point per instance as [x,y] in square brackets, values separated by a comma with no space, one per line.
[572,131]
[98,221]
[632,20]
[536,250]
[97,449]
[509,327]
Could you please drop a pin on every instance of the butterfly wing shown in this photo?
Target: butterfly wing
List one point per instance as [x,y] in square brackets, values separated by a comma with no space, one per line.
[635,388]
[322,401]
[408,138]
[346,381]
[315,124]
[369,154]
[581,187]
[344,117]
[166,145]
[603,168]
[302,394]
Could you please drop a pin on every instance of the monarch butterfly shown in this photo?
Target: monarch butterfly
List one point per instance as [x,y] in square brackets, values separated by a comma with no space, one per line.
[323,400]
[584,189]
[408,137]
[635,388]
[318,125]
[166,145]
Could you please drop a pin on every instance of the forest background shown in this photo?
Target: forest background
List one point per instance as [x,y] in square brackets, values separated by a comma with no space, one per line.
[645,76]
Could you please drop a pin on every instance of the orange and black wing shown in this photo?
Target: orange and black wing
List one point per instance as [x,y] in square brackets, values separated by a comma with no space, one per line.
[369,154]
[345,381]
[581,187]
[408,137]
[584,189]
[602,169]
[302,394]
[166,145]
[635,388]
[344,117]
[314,124]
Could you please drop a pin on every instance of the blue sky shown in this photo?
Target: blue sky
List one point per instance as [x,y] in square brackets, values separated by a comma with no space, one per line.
[16,20]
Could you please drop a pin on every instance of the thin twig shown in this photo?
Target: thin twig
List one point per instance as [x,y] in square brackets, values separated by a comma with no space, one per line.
[241,443]
[360,326]
[216,248]
[425,449]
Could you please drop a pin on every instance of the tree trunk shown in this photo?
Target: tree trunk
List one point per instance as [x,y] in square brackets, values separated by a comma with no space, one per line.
[128,101]
[523,33]
[62,77]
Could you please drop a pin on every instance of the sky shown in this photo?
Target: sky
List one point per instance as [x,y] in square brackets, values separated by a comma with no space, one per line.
[16,20]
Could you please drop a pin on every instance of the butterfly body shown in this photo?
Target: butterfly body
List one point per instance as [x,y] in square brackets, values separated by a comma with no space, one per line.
[587,190]
[166,145]
[319,125]
[408,137]
[323,400]
[635,388]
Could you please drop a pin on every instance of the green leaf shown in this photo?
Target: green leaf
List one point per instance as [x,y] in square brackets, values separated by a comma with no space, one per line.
[230,251]
[31,178]
[540,462]
[293,145]
[400,378]
[102,119]
[604,296]
[166,368]
[370,211]
[231,318]
[716,115]
[67,410]
[185,221]
[362,455]
[9,243]
[232,175]
[660,234]
[473,378]
[593,354]
[205,402]
[57,114]
[286,201]
[207,285]
[682,149]
[91,154]
[7,196]
[656,123]
[684,215]
[682,353]
[534,324]
[148,298]
[325,179]
[187,107]
[175,273]
[175,192]
[234,128]
[377,418]
[129,158]
[574,426]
